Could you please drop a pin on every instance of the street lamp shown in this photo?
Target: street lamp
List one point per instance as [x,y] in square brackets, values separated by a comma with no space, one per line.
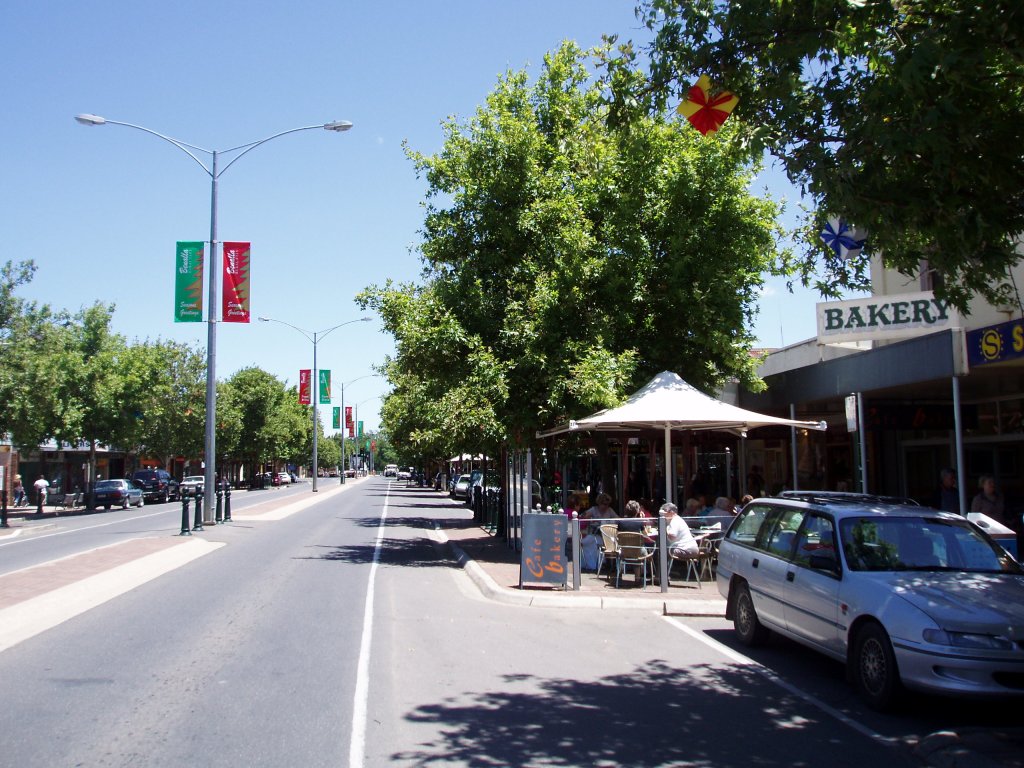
[314,337]
[210,444]
[367,376]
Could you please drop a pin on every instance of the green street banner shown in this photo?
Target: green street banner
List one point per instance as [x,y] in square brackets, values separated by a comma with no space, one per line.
[235,269]
[337,419]
[325,387]
[188,283]
[360,427]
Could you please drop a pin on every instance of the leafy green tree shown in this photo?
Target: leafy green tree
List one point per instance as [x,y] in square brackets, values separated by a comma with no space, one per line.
[256,399]
[902,117]
[566,262]
[165,387]
[328,452]
[34,344]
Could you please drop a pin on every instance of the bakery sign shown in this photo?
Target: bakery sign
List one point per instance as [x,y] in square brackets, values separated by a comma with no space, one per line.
[884,317]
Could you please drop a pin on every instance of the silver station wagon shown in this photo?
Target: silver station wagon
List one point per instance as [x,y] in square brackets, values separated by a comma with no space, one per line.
[902,594]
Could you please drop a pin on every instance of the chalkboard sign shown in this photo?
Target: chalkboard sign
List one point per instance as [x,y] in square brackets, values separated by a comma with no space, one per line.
[543,556]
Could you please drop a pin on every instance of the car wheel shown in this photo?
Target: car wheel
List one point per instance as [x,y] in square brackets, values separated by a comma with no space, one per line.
[126,503]
[163,497]
[745,623]
[106,507]
[874,667]
[141,501]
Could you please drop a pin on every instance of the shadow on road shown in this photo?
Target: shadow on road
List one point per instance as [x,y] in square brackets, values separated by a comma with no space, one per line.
[724,717]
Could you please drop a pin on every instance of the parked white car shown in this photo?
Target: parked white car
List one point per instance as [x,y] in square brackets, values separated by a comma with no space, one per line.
[190,483]
[904,595]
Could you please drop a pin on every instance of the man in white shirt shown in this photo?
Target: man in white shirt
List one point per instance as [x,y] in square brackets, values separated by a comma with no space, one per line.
[41,486]
[681,543]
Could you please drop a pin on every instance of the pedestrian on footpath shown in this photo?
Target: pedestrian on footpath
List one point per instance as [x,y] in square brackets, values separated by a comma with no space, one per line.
[19,491]
[41,485]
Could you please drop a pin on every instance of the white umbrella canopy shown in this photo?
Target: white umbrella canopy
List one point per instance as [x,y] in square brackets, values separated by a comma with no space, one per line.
[668,403]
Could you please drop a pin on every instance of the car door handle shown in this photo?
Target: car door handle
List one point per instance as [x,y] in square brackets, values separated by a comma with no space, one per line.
[790,575]
[756,563]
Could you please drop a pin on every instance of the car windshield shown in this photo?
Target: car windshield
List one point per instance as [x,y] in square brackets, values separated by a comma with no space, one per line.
[102,484]
[194,479]
[921,544]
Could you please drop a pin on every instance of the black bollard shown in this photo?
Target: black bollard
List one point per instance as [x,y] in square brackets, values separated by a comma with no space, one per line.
[39,500]
[219,516]
[199,510]
[227,502]
[3,508]
[184,516]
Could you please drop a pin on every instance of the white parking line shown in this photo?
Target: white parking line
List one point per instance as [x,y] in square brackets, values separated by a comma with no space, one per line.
[746,661]
[357,746]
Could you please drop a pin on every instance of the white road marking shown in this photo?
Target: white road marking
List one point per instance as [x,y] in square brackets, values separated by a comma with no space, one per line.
[357,745]
[27,619]
[746,661]
[85,528]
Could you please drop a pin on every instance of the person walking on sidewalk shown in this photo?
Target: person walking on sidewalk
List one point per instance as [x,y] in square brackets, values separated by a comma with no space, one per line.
[41,485]
[19,491]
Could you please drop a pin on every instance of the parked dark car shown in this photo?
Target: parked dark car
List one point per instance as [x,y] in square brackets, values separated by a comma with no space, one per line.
[157,485]
[117,493]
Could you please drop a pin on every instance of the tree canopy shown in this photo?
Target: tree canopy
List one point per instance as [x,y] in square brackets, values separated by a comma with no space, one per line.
[904,118]
[566,261]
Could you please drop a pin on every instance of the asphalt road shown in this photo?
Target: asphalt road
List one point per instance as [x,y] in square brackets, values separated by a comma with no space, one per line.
[346,635]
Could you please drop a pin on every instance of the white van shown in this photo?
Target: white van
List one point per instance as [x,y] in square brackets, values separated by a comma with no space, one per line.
[391,470]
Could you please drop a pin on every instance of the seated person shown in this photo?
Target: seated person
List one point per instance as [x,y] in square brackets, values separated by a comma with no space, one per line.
[723,512]
[681,544]
[601,512]
[635,518]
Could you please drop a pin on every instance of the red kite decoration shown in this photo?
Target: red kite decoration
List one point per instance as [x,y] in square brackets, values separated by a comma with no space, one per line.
[707,113]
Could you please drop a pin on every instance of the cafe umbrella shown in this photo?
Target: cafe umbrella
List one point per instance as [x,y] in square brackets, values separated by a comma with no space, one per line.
[668,403]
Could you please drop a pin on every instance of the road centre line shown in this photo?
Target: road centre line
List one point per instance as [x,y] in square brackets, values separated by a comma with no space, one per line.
[762,670]
[357,744]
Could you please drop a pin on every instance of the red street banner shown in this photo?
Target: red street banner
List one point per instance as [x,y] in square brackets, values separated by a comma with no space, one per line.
[348,417]
[188,283]
[305,391]
[236,283]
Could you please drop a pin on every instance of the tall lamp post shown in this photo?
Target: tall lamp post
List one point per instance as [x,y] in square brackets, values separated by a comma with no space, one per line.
[345,384]
[210,443]
[315,337]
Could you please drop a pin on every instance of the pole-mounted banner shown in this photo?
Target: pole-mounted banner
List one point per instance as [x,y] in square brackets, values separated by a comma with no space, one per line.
[325,387]
[336,423]
[236,283]
[360,427]
[188,283]
[304,386]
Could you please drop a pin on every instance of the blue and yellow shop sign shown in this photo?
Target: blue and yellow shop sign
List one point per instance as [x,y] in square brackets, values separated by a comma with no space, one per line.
[995,343]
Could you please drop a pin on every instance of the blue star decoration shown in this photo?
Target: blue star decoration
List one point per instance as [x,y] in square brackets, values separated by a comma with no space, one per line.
[843,239]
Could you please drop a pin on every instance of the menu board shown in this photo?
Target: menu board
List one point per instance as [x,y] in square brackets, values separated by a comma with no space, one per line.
[542,558]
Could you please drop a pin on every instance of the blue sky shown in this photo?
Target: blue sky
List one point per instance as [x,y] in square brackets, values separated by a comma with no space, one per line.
[100,208]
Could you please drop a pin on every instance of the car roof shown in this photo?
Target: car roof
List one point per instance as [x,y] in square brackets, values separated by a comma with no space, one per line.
[843,505]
